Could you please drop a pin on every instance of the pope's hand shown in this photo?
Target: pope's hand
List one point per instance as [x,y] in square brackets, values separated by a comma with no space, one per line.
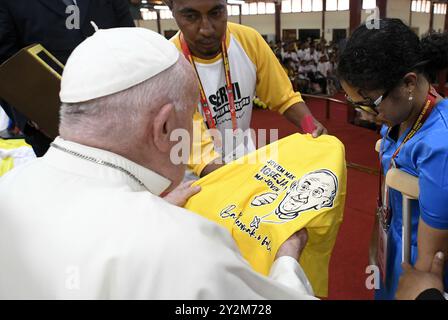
[182,193]
[294,246]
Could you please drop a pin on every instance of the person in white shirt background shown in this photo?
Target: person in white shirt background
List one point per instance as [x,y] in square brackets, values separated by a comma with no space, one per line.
[301,51]
[13,152]
[4,120]
[318,81]
[95,226]
[292,54]
[312,55]
[324,66]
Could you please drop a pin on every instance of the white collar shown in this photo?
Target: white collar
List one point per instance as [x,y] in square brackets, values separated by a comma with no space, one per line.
[152,181]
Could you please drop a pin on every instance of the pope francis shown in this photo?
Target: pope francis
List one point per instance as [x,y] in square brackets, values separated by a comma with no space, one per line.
[97,228]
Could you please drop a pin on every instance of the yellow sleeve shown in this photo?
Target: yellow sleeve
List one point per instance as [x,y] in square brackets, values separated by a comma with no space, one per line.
[203,149]
[273,84]
[176,41]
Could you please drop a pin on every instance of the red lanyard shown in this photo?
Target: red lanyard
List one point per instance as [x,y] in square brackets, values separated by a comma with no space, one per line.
[418,124]
[230,92]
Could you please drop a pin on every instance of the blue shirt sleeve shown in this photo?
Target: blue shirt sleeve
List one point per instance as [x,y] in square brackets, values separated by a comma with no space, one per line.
[430,156]
[383,131]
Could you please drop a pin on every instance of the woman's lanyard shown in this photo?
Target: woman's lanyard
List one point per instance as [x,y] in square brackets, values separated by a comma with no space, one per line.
[418,124]
[230,91]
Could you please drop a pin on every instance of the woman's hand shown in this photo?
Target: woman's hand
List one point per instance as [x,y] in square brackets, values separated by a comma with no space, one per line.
[413,282]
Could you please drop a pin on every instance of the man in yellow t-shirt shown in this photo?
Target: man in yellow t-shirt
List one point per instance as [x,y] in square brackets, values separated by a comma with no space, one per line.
[254,71]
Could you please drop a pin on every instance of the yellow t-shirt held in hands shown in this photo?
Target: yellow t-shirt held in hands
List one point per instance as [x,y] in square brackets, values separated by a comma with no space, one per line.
[265,197]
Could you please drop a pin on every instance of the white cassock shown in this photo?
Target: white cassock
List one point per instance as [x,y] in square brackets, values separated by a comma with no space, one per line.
[74,229]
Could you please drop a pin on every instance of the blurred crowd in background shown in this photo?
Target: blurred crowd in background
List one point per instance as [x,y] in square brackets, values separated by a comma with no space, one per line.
[310,64]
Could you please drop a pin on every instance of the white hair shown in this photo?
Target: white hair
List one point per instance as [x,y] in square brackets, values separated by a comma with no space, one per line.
[125,112]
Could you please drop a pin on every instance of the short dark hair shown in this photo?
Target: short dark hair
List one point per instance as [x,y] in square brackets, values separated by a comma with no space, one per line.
[375,59]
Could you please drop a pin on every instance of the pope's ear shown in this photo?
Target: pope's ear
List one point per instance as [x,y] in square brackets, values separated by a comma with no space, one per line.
[162,127]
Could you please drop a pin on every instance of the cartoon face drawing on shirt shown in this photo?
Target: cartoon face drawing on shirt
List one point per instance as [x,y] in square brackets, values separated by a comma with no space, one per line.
[314,191]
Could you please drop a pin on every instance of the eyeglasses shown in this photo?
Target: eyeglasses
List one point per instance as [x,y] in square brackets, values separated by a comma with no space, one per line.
[369,105]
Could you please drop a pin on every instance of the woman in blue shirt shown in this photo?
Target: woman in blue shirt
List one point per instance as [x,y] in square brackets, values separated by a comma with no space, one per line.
[387,73]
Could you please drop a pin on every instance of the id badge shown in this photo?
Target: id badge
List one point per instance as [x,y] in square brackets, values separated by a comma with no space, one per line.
[384,217]
[382,249]
[242,145]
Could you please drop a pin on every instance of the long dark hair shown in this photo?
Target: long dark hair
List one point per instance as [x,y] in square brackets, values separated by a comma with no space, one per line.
[375,59]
